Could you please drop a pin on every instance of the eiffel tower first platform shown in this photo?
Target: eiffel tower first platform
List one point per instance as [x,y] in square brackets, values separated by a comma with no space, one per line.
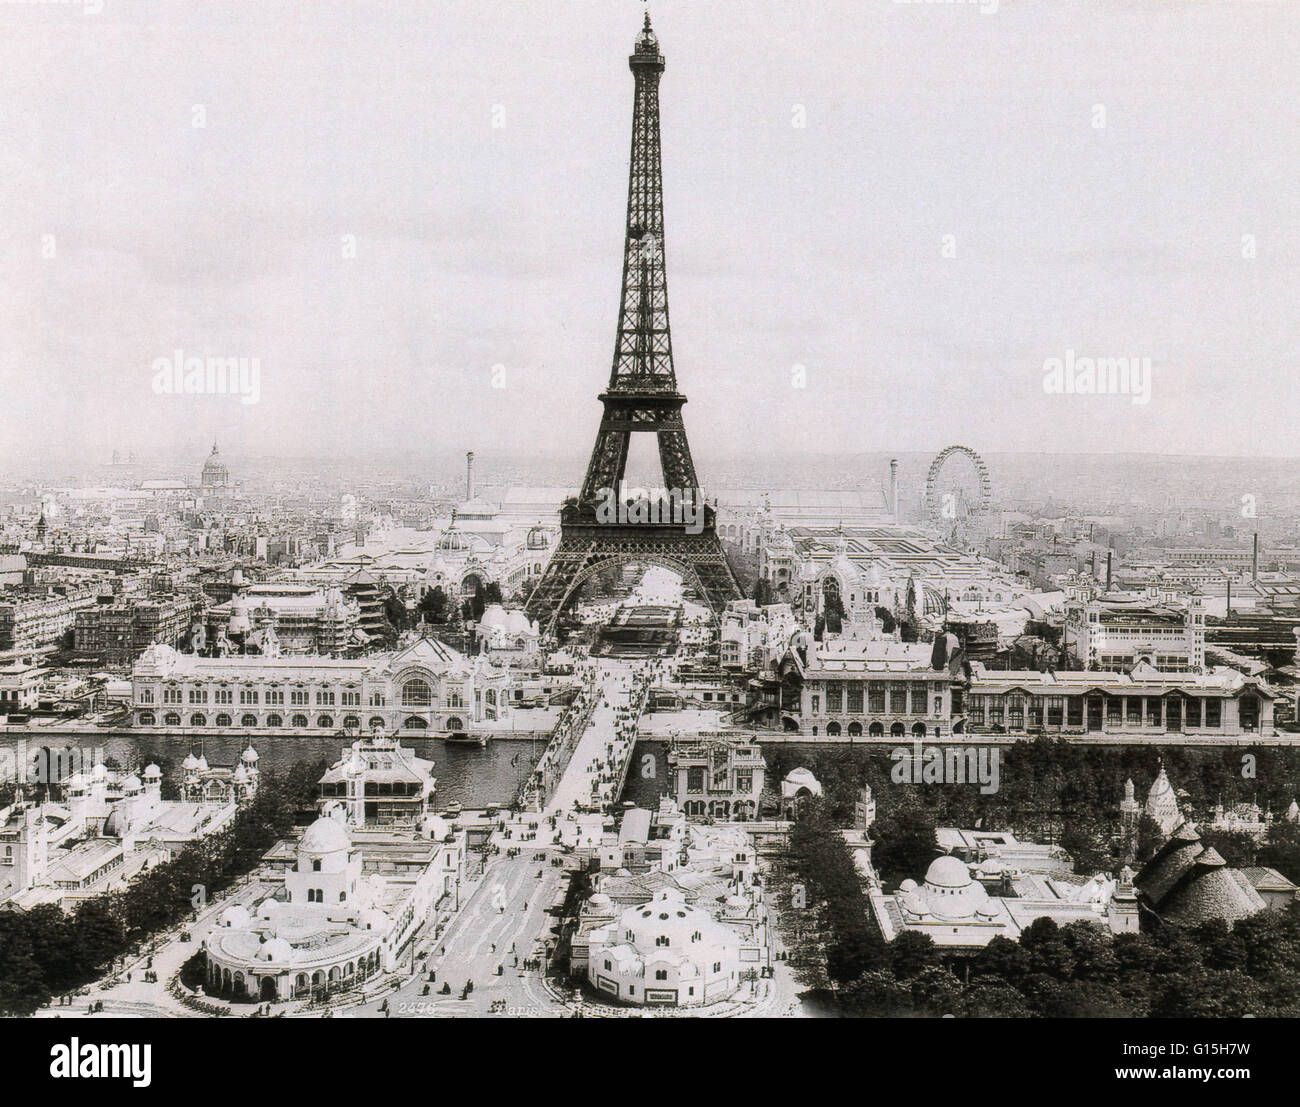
[642,398]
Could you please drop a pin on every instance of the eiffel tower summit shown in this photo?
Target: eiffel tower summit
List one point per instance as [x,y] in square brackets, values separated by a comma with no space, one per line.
[642,398]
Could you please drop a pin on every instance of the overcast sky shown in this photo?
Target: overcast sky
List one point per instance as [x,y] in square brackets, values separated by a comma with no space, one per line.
[1096,163]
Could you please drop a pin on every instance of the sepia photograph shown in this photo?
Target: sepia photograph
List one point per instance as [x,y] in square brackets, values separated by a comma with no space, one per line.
[405,616]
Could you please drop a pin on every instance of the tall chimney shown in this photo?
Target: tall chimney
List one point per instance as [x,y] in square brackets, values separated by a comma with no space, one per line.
[1254,558]
[469,475]
[893,487]
[1109,555]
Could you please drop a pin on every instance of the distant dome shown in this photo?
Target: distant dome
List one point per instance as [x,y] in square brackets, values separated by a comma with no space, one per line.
[325,835]
[268,908]
[374,919]
[950,891]
[436,828]
[249,756]
[798,779]
[215,473]
[948,872]
[277,950]
[453,542]
[152,772]
[236,915]
[132,784]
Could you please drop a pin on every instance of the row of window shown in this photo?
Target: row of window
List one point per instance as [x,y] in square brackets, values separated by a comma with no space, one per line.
[251,697]
[1173,712]
[299,721]
[874,730]
[899,701]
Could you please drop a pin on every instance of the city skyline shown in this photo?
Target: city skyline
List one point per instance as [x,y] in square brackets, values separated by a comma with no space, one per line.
[211,209]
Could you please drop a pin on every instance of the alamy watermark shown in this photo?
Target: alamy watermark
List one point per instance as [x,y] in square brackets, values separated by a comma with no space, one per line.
[1103,376]
[25,764]
[679,507]
[924,764]
[179,375]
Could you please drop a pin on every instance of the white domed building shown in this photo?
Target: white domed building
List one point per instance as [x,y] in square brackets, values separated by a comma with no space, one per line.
[508,636]
[958,912]
[665,953]
[337,924]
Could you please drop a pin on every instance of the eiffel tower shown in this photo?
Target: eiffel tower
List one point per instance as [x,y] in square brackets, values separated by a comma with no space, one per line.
[642,397]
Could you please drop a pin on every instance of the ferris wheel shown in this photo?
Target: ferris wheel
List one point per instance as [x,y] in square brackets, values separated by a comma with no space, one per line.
[950,501]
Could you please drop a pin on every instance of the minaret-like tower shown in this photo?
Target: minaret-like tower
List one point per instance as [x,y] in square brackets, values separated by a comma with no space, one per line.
[642,397]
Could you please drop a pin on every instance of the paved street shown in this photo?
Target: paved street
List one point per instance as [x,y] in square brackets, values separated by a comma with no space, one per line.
[507,909]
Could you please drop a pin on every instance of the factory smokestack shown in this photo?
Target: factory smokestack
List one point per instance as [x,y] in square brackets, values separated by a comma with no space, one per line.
[1109,556]
[469,475]
[1254,558]
[893,487]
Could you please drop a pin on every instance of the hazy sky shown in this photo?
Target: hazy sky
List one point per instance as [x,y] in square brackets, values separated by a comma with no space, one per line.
[1096,163]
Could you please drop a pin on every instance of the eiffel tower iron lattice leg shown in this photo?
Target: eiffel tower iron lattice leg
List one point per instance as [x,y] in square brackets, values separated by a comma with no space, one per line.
[642,398]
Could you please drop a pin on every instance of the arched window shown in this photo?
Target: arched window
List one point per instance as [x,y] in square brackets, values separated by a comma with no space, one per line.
[454,723]
[315,865]
[274,720]
[376,722]
[414,722]
[896,730]
[171,719]
[876,730]
[248,720]
[146,718]
[223,720]
[918,730]
[351,722]
[855,730]
[198,719]
[298,721]
[833,730]
[417,693]
[325,722]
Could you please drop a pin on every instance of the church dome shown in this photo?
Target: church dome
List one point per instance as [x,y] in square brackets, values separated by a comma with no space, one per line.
[215,473]
[131,784]
[152,772]
[249,756]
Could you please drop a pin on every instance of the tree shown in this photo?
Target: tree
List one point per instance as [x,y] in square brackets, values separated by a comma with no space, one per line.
[433,605]
[97,933]
[22,984]
[905,844]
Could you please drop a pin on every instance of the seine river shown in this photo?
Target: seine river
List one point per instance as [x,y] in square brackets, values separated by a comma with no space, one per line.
[469,775]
